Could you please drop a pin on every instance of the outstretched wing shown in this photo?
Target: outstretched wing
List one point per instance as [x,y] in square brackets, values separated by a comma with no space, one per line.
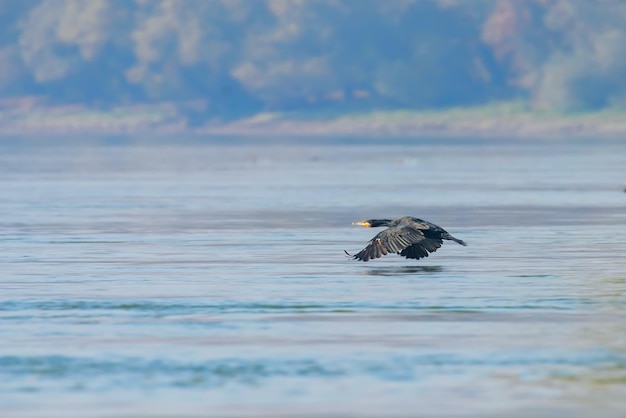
[395,240]
[422,248]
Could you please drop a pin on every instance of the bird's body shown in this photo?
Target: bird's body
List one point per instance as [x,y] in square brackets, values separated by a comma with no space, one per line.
[410,237]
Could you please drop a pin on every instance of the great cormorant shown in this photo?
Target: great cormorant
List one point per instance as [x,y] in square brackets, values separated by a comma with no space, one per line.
[410,237]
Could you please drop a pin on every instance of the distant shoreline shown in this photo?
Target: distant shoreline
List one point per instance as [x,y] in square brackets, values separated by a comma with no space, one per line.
[496,121]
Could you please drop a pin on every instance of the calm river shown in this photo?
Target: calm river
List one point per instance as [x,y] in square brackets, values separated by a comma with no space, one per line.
[200,278]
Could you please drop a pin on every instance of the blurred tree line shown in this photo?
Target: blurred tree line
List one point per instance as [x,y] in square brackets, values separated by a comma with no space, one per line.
[234,57]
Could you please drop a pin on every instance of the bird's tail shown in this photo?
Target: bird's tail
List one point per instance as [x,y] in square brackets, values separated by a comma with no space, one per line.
[450,237]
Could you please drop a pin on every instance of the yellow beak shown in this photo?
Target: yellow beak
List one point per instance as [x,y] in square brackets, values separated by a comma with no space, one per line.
[362,223]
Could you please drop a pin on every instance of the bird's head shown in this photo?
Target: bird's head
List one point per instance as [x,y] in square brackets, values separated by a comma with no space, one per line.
[373,223]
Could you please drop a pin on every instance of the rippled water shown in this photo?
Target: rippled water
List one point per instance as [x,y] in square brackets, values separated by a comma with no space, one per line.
[198,278]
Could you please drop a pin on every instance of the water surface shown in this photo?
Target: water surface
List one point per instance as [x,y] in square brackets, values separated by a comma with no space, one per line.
[201,278]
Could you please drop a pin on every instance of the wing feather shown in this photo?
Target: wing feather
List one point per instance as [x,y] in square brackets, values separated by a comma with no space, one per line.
[405,240]
[421,249]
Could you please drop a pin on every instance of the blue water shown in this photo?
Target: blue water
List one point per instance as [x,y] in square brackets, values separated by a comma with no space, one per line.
[201,278]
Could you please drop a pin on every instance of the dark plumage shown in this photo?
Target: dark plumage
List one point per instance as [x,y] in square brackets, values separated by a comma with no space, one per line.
[410,237]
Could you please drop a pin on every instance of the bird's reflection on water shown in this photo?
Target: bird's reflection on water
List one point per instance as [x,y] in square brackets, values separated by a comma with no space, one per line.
[402,270]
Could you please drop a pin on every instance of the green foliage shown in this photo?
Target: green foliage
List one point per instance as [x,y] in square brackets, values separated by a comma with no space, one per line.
[233,57]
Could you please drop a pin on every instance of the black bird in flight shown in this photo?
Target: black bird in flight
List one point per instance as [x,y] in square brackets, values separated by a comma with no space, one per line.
[410,237]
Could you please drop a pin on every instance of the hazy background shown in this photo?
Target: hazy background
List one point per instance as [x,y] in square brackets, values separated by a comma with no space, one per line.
[236,58]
